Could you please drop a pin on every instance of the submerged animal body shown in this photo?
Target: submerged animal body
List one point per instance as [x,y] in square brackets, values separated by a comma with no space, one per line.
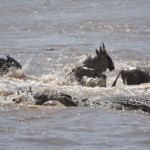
[116,102]
[92,82]
[134,76]
[82,71]
[7,64]
[124,102]
[94,67]
[65,99]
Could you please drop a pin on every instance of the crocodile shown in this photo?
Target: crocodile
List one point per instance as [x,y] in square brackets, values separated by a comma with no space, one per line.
[117,102]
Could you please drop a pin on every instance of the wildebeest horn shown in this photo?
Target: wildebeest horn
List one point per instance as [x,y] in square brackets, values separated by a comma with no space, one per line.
[7,55]
[103,46]
[100,49]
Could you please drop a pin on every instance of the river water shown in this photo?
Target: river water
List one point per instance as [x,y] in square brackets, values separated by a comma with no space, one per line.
[73,29]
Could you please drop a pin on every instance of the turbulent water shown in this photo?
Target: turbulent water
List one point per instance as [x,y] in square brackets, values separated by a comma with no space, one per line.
[73,29]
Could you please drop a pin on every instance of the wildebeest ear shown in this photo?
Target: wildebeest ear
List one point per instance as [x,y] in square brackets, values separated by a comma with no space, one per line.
[97,52]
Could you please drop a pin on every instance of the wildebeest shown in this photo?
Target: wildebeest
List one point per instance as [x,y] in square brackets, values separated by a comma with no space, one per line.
[134,76]
[7,64]
[94,66]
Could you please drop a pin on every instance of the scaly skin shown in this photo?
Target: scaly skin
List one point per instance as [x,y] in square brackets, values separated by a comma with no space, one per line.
[125,102]
[117,102]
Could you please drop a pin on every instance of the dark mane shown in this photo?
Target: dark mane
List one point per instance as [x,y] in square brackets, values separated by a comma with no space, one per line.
[89,62]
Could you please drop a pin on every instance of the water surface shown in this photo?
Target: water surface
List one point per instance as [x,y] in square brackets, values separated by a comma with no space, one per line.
[74,29]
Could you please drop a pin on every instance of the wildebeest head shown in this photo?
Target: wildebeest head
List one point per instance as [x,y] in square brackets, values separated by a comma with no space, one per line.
[101,61]
[11,62]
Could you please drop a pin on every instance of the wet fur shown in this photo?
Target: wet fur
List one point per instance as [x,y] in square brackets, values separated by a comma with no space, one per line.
[134,76]
[93,67]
